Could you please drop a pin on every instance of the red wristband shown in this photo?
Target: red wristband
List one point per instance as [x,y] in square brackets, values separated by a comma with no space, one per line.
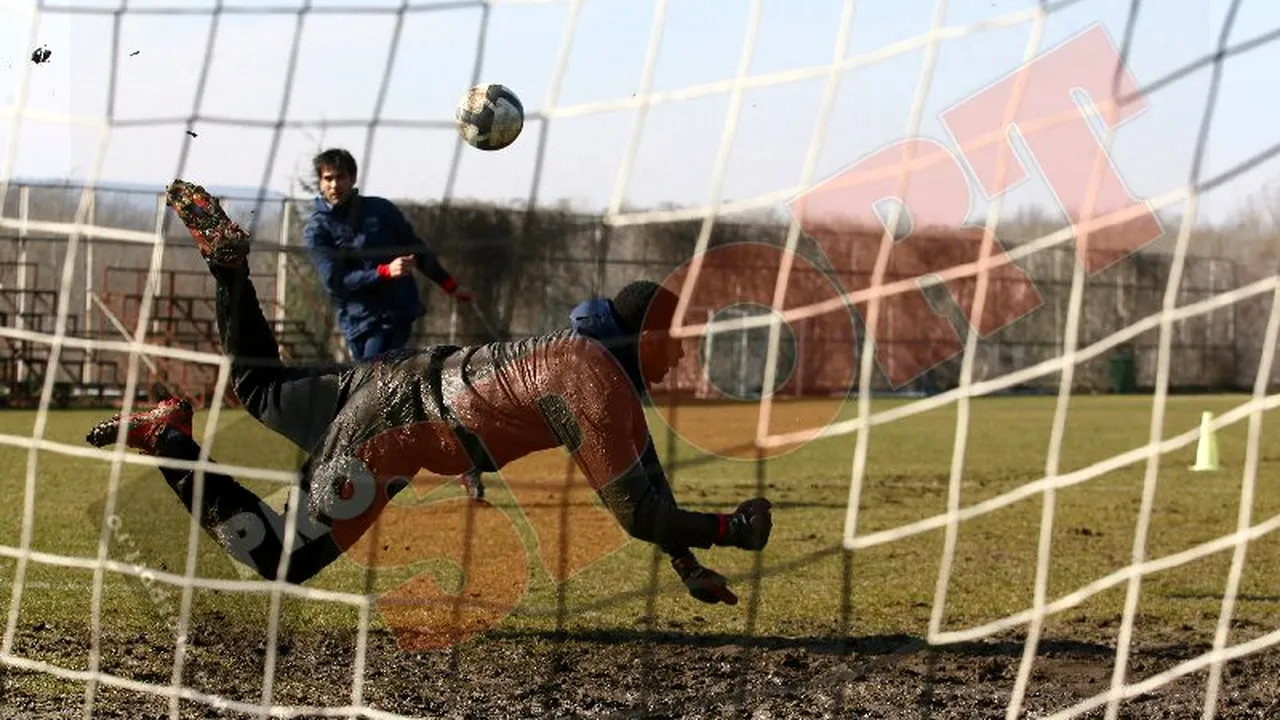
[384,271]
[724,527]
[449,285]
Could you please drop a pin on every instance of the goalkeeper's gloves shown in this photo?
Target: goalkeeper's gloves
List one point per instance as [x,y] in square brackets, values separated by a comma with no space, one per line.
[747,527]
[703,583]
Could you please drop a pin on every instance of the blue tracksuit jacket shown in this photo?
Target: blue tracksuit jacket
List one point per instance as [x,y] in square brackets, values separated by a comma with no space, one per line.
[349,252]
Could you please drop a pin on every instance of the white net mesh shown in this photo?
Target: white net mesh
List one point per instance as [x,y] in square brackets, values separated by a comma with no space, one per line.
[286,130]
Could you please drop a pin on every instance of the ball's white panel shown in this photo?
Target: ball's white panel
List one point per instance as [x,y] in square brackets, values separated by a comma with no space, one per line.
[504,121]
[475,99]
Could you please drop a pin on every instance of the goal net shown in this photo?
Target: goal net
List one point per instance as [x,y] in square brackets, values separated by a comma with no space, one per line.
[876,215]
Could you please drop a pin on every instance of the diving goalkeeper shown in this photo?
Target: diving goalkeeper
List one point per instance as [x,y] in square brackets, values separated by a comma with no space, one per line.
[370,426]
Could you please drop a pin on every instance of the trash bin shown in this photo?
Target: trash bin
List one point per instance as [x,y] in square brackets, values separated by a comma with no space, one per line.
[1124,374]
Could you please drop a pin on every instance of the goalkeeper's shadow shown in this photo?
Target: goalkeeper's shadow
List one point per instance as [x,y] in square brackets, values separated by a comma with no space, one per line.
[1219,597]
[885,646]
[833,664]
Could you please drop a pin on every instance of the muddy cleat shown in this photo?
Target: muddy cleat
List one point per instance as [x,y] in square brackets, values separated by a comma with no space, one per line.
[472,482]
[219,238]
[145,428]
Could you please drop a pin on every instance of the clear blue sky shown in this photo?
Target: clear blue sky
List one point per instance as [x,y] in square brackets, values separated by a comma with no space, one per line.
[342,58]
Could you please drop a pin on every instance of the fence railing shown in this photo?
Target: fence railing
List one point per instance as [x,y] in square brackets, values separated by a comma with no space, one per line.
[530,268]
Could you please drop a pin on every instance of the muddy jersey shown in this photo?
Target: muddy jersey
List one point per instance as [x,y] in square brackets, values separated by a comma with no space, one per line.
[447,409]
[504,400]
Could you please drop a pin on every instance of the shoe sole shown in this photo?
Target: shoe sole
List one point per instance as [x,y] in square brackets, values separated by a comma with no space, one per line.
[219,238]
[106,432]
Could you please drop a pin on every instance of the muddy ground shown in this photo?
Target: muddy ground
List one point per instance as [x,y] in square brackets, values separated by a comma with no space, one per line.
[636,673]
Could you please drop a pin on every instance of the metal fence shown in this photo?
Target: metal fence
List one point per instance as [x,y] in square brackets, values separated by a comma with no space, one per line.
[530,268]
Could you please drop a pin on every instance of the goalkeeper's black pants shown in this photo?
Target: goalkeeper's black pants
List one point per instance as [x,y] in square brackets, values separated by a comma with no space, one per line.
[298,402]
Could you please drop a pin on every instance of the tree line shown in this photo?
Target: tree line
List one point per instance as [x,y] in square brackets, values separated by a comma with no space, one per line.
[529,267]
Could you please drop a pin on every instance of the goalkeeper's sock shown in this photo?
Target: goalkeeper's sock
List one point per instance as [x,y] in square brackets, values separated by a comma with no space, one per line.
[678,528]
[239,521]
[223,496]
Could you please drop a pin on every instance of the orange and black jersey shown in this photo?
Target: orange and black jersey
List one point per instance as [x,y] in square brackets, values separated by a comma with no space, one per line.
[448,409]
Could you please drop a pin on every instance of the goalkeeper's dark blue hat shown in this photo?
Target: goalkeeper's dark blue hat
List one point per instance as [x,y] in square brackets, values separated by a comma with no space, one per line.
[616,323]
[638,305]
[595,318]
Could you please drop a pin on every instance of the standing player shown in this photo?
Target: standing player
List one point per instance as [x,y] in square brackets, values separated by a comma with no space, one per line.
[369,426]
[365,252]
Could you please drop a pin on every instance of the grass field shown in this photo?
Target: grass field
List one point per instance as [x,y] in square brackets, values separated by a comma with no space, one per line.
[819,632]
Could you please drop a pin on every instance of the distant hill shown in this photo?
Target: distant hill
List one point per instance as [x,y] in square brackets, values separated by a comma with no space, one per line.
[237,192]
[132,205]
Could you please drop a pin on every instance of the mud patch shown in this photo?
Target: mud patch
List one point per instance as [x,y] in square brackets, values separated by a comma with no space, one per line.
[619,674]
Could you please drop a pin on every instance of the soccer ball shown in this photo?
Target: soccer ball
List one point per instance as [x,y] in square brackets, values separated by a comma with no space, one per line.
[489,116]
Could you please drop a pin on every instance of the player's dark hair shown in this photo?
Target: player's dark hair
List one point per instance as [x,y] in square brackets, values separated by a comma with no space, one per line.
[644,305]
[336,158]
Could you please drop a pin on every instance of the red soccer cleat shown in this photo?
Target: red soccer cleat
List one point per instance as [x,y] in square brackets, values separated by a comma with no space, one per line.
[145,428]
[219,238]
